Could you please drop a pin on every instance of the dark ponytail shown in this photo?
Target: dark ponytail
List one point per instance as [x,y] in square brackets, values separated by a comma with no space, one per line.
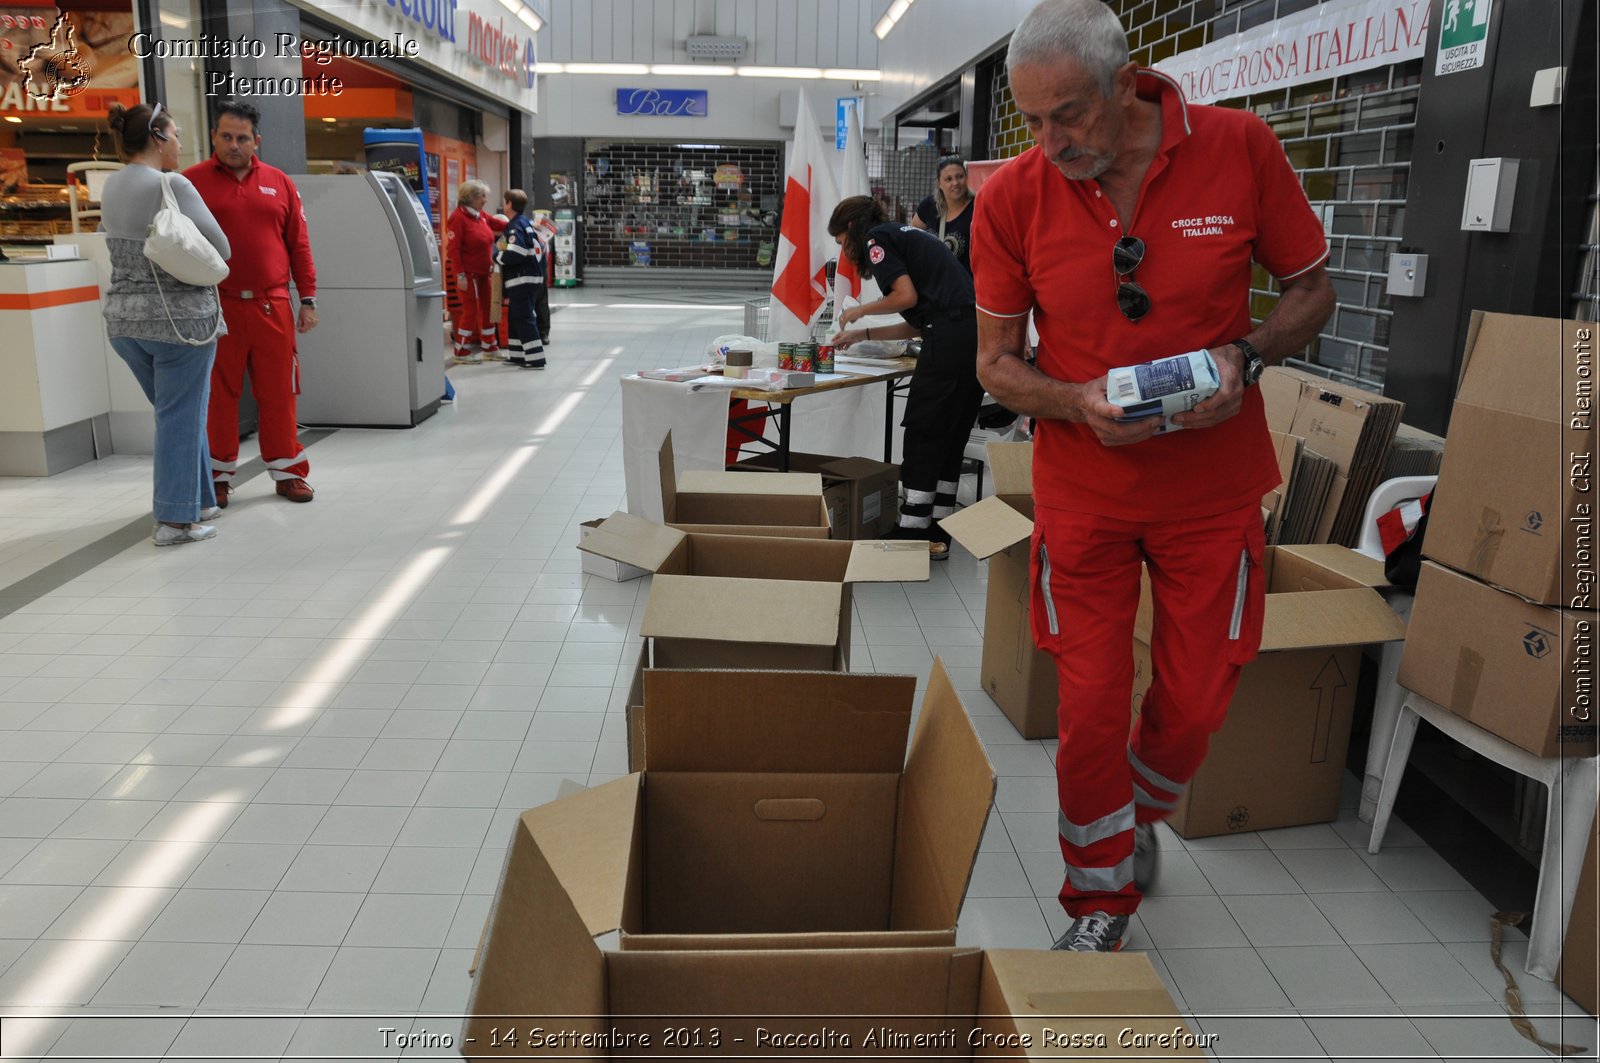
[853,217]
[130,127]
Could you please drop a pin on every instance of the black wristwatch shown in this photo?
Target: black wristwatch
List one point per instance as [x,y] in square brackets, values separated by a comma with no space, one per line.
[1254,364]
[308,301]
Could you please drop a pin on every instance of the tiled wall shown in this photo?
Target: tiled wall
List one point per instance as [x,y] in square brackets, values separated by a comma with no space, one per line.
[1350,138]
[657,205]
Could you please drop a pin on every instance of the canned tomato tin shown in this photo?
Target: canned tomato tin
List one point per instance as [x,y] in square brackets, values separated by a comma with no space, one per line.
[786,355]
[824,358]
[805,357]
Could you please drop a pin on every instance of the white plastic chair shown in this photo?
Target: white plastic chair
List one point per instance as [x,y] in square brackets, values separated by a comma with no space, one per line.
[1569,816]
[1386,704]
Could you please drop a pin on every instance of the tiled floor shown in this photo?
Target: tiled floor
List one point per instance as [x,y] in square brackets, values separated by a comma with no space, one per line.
[253,786]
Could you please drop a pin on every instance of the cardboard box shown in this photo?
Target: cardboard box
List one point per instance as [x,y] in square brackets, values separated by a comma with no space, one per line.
[789,504]
[745,601]
[1019,676]
[1279,759]
[604,567]
[782,864]
[959,1003]
[868,490]
[1502,662]
[1345,424]
[1579,974]
[1517,481]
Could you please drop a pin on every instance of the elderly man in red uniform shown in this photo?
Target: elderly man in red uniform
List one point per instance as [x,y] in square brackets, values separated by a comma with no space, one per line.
[1128,232]
[259,209]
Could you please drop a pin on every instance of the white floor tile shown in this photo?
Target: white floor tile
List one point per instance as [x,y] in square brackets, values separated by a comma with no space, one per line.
[1371,918]
[1223,979]
[1421,974]
[168,974]
[270,976]
[291,918]
[1324,976]
[1189,923]
[208,915]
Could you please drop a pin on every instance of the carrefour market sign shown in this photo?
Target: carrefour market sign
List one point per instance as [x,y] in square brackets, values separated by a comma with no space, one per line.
[1329,41]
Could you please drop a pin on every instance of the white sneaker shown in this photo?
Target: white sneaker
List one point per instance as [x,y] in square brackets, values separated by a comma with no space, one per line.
[167,535]
[211,513]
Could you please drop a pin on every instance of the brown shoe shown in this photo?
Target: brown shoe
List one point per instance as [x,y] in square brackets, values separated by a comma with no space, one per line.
[221,487]
[296,490]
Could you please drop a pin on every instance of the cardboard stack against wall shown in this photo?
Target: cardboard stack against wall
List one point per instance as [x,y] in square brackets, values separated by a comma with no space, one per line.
[1414,453]
[1502,631]
[1350,427]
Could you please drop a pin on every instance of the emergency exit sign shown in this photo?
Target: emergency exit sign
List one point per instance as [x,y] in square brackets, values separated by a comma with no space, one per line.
[1463,35]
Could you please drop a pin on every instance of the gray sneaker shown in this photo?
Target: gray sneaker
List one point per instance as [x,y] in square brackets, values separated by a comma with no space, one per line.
[166,535]
[211,513]
[1146,856]
[1095,932]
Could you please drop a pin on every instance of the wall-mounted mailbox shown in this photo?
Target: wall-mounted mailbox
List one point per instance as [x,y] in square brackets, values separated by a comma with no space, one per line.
[1491,187]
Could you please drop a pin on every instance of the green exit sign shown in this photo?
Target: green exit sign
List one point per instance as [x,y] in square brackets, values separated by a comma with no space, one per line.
[1463,35]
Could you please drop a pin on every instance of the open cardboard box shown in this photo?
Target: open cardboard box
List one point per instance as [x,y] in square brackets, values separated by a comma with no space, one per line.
[740,601]
[1019,676]
[789,504]
[781,859]
[1279,759]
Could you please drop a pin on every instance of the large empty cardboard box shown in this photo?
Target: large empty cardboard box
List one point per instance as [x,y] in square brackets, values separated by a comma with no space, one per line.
[781,503]
[1019,676]
[784,879]
[1279,759]
[740,601]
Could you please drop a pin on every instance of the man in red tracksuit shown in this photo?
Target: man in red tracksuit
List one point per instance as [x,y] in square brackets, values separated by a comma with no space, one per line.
[259,209]
[1129,232]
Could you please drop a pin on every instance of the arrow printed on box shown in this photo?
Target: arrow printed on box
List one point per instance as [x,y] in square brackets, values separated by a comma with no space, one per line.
[1327,685]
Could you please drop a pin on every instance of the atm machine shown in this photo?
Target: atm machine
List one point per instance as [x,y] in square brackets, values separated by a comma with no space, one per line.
[376,357]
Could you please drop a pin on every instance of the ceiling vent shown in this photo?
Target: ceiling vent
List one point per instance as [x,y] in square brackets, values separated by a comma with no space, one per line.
[721,49]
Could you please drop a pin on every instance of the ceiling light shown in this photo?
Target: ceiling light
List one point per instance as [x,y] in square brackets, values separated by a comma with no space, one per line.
[853,75]
[890,17]
[530,20]
[607,68]
[780,72]
[550,68]
[695,70]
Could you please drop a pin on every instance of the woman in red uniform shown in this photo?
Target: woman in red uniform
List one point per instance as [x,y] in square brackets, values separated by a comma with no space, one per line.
[471,243]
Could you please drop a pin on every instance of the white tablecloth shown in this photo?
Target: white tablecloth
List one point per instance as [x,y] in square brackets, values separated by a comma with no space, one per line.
[848,422]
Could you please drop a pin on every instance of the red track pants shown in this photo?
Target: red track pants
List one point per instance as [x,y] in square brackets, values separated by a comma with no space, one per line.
[472,317]
[1209,596]
[261,339]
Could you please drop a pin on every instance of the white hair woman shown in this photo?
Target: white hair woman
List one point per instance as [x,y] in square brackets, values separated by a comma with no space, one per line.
[469,249]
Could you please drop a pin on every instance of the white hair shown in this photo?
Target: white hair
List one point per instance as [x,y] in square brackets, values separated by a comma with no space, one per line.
[1084,31]
[469,190]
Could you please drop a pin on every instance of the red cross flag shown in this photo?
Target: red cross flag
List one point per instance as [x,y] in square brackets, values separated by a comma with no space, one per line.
[800,275]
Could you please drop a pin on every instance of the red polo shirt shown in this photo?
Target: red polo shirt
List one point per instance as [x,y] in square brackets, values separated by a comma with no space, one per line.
[1219,194]
[264,222]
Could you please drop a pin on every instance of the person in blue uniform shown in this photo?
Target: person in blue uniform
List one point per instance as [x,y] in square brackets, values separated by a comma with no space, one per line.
[521,256]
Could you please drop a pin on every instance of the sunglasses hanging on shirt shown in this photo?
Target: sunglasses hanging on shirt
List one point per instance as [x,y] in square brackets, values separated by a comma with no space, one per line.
[1126,256]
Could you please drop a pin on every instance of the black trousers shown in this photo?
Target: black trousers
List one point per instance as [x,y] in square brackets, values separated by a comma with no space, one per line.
[541,309]
[940,410]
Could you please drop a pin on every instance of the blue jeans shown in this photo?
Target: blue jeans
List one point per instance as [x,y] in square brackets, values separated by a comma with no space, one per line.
[176,378]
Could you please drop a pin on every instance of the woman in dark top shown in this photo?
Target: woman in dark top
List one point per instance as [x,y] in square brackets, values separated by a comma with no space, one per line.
[927,287]
[948,212]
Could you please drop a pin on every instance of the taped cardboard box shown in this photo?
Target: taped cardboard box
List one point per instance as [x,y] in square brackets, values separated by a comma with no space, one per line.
[1516,484]
[1502,662]
[1016,674]
[788,504]
[746,601]
[868,491]
[1279,759]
